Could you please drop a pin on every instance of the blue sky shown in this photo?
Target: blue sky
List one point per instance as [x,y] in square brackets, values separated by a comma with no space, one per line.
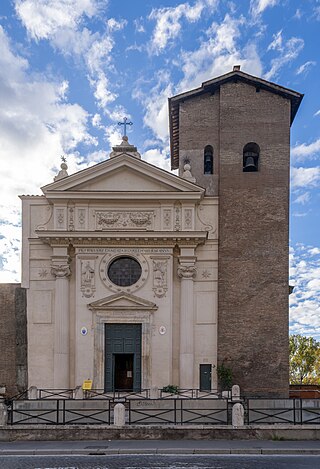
[71,69]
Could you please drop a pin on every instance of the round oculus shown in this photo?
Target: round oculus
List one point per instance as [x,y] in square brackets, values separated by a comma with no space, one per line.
[124,271]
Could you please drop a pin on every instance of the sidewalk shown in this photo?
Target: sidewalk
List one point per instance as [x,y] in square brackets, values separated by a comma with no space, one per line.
[104,447]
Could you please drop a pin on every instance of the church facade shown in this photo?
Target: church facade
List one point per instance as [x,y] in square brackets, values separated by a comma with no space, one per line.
[138,278]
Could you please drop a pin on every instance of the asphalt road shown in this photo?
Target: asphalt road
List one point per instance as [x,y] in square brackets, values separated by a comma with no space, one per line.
[160,462]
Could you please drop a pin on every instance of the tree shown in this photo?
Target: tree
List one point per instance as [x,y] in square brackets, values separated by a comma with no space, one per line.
[304,360]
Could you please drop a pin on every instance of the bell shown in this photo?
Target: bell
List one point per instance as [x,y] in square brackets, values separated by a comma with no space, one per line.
[249,164]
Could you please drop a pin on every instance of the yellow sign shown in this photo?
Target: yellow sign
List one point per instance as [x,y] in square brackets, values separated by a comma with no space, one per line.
[87,385]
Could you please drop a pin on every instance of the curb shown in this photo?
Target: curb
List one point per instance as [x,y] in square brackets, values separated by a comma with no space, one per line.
[154,451]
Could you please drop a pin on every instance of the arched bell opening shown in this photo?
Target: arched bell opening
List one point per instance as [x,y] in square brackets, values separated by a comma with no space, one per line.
[208,160]
[251,153]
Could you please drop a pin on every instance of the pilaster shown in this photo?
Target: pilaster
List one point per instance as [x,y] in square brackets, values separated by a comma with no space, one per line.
[187,271]
[61,271]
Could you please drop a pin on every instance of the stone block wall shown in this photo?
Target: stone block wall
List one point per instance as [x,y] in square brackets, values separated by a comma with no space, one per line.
[13,338]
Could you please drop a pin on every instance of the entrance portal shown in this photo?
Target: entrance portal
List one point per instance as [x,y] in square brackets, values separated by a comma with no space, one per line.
[122,357]
[123,371]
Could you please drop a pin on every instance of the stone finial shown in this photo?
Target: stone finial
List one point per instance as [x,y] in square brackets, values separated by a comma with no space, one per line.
[63,171]
[235,392]
[125,147]
[236,68]
[187,173]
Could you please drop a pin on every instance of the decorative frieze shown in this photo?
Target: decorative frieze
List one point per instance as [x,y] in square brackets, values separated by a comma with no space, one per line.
[111,220]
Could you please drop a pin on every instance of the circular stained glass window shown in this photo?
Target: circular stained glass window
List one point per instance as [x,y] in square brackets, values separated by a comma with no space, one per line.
[124,271]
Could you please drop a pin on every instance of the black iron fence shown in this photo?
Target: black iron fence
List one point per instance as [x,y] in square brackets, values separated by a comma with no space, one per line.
[59,412]
[60,407]
[282,411]
[179,412]
[138,412]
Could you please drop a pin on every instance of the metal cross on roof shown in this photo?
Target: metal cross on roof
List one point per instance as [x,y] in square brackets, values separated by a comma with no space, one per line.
[125,123]
[63,159]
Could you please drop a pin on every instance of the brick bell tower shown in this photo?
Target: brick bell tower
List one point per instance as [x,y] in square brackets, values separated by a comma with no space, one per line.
[235,132]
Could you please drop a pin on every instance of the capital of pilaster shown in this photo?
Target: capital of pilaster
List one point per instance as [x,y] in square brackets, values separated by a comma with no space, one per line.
[61,270]
[187,271]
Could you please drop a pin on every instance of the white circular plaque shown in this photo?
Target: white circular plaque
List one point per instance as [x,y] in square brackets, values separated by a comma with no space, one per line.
[162,330]
[84,331]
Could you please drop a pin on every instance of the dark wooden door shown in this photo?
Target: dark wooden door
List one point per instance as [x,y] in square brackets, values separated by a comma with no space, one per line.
[205,377]
[122,357]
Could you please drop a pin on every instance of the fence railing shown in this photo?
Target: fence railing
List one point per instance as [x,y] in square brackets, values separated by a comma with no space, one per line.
[59,412]
[62,407]
[138,412]
[285,411]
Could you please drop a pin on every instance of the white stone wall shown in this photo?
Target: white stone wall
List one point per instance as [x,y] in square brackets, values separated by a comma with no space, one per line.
[67,244]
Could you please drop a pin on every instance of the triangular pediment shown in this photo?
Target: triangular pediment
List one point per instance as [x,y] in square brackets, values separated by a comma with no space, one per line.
[122,301]
[123,173]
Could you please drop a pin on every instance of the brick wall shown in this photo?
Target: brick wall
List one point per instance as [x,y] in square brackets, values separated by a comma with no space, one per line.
[13,338]
[253,227]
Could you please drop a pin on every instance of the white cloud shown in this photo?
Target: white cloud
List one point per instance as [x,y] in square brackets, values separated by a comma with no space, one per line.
[304,151]
[158,158]
[155,102]
[258,6]
[298,14]
[61,23]
[304,68]
[45,18]
[218,54]
[302,198]
[276,44]
[317,113]
[10,244]
[305,299]
[314,251]
[305,177]
[288,51]
[37,125]
[168,22]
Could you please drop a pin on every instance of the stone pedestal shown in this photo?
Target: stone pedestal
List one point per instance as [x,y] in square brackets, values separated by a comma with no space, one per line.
[186,272]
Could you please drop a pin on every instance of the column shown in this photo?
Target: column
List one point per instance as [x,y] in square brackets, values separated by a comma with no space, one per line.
[186,272]
[61,270]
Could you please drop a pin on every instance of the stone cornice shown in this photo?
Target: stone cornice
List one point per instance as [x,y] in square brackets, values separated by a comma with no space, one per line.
[83,196]
[156,238]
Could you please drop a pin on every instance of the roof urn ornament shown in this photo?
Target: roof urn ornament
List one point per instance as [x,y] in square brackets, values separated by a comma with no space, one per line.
[63,171]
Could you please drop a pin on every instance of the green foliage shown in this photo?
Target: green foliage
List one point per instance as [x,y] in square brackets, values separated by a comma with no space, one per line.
[304,360]
[225,377]
[171,388]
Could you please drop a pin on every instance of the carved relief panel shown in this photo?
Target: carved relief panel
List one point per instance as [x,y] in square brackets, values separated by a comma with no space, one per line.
[188,218]
[160,276]
[81,218]
[87,272]
[166,218]
[124,220]
[60,218]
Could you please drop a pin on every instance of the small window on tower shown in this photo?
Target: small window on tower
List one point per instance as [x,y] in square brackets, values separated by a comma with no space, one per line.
[208,160]
[251,152]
